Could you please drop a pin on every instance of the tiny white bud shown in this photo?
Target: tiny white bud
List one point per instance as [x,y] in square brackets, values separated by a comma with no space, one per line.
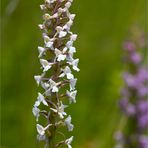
[72,16]
[67,5]
[43,7]
[46,16]
[59,28]
[41,26]
[41,51]
[45,64]
[69,141]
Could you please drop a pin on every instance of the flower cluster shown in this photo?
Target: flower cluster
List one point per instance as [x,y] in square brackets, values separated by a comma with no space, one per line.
[57,62]
[134,101]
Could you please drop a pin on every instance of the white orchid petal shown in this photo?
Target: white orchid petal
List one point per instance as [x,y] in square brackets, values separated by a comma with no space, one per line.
[61,57]
[38,79]
[55,89]
[40,129]
[62,75]
[72,84]
[49,44]
[68,123]
[62,34]
[73,37]
[54,110]
[36,112]
[70,76]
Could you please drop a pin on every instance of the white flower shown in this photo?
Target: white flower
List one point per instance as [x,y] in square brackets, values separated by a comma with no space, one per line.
[72,96]
[46,16]
[71,1]
[49,44]
[60,110]
[71,51]
[48,41]
[46,38]
[54,16]
[73,37]
[69,44]
[40,99]
[61,10]
[48,92]
[36,112]
[72,84]
[41,26]
[41,137]
[46,65]
[53,86]
[43,7]
[69,141]
[65,49]
[67,5]
[41,51]
[38,79]
[69,58]
[70,22]
[71,16]
[61,32]
[74,64]
[45,85]
[59,55]
[68,25]
[68,123]
[41,130]
[67,72]
[50,1]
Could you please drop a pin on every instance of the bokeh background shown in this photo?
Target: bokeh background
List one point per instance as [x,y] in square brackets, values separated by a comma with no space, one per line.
[102,26]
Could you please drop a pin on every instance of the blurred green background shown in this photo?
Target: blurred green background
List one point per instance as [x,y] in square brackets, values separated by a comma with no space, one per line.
[101,26]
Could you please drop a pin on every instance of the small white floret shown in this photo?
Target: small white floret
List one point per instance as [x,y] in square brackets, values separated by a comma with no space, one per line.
[40,99]
[41,51]
[41,130]
[53,86]
[73,37]
[38,79]
[36,112]
[60,55]
[69,141]
[67,72]
[68,123]
[60,110]
[72,84]
[72,96]
[74,64]
[45,64]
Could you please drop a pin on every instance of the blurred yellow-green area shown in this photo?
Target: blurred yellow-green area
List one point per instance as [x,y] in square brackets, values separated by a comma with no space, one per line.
[102,26]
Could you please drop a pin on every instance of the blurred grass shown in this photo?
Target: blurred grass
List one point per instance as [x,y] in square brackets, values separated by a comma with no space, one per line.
[102,26]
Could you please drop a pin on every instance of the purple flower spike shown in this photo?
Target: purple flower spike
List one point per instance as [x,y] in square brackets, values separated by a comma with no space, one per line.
[134,100]
[129,46]
[129,80]
[143,91]
[142,106]
[143,122]
[135,58]
[143,142]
